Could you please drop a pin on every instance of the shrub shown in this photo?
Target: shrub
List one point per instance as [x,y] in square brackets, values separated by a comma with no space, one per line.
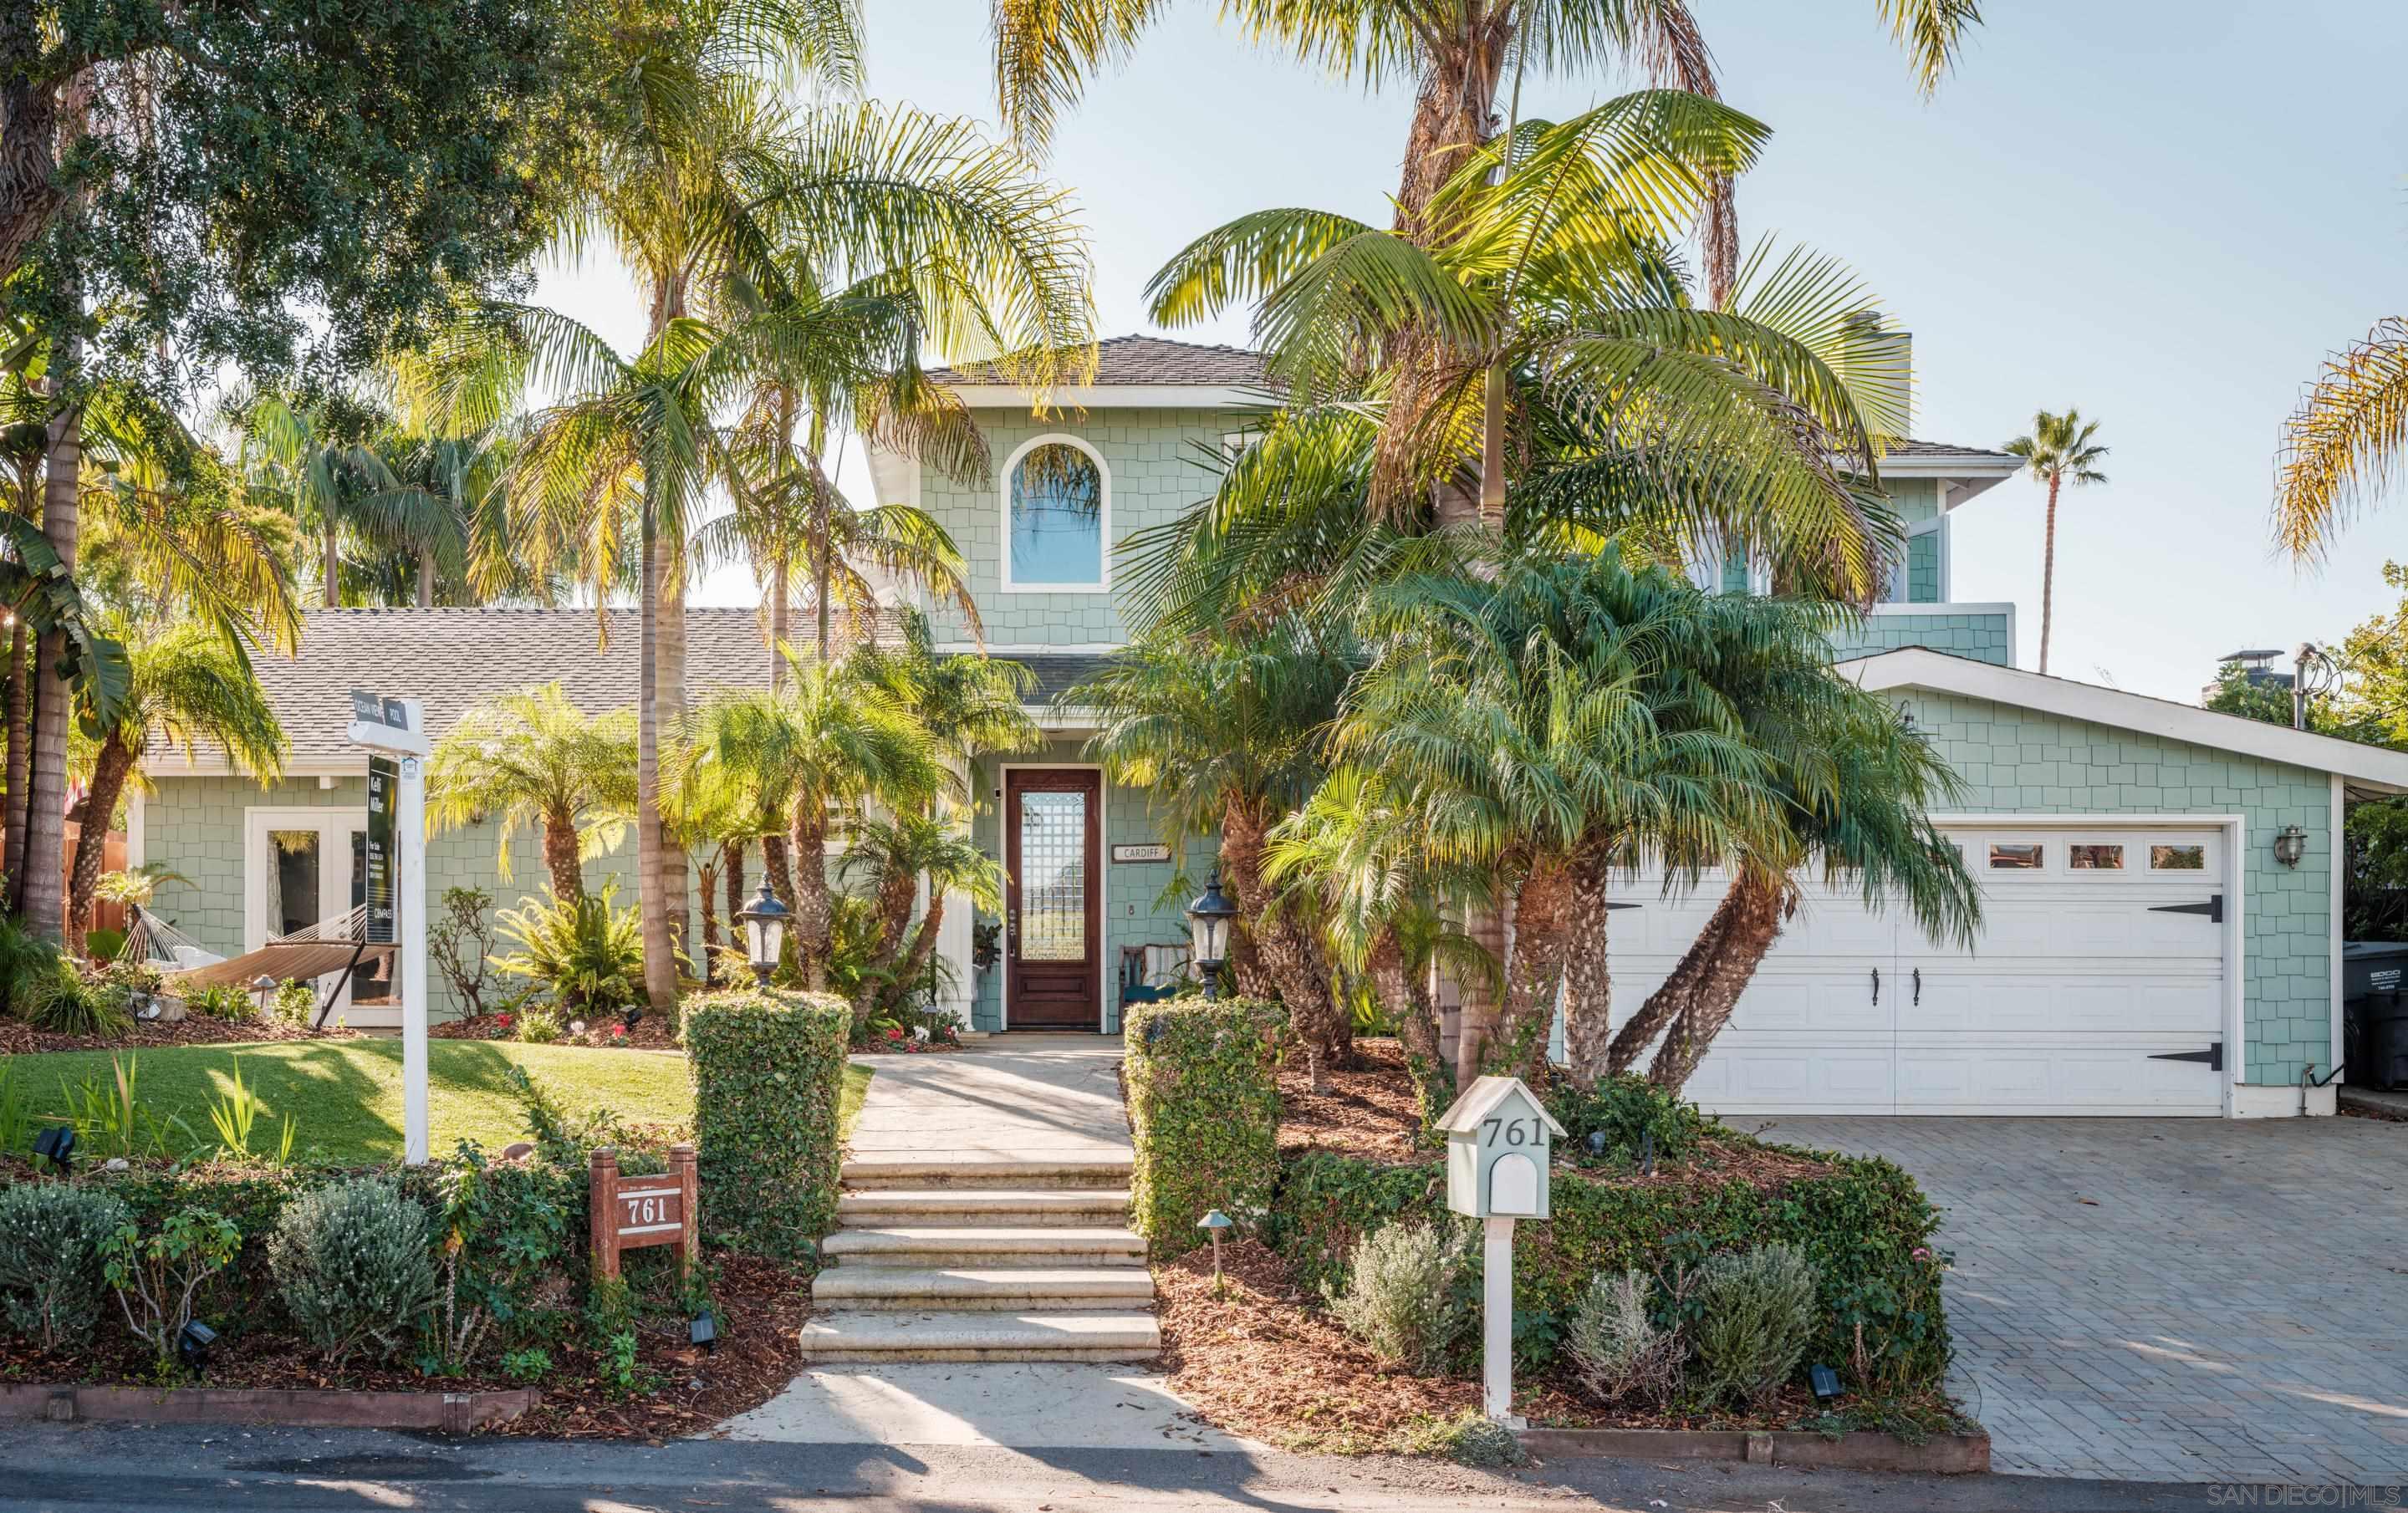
[1400,1298]
[1203,1108]
[1618,1350]
[28,963]
[1862,1221]
[355,1266]
[461,945]
[768,1069]
[1755,1315]
[539,1025]
[1637,1119]
[507,1235]
[61,1001]
[219,1001]
[587,954]
[103,945]
[51,1276]
[295,1003]
[1470,1437]
[157,1276]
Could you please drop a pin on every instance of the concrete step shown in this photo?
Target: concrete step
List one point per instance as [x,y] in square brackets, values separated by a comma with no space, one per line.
[948,1170]
[846,1335]
[984,1288]
[985,1245]
[1023,1207]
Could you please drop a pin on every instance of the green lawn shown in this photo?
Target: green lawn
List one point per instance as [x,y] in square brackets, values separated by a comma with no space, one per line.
[346,1094]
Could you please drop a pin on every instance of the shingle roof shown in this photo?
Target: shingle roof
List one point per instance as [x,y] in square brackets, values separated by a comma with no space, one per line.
[1055,672]
[452,658]
[1151,360]
[1944,450]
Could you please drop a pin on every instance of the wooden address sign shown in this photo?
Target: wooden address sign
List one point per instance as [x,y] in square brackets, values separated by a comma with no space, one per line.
[627,1213]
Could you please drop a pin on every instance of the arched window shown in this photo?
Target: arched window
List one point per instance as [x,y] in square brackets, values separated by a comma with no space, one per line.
[1056,516]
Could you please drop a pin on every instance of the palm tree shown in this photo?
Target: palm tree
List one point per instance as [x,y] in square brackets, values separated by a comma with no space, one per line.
[2343,444]
[337,465]
[188,687]
[809,752]
[534,759]
[1227,737]
[970,706]
[2060,449]
[895,856]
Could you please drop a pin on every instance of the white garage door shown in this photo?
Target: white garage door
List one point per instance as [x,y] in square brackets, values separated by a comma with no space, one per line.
[2097,987]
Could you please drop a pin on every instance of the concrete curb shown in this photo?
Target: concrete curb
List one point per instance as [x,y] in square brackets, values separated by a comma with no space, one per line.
[456,1413]
[1859,1451]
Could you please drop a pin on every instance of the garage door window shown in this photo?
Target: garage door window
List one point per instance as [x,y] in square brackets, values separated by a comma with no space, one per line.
[2087,858]
[2015,856]
[2177,859]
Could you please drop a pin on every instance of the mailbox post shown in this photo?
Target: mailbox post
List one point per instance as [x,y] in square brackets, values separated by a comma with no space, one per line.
[1499,1139]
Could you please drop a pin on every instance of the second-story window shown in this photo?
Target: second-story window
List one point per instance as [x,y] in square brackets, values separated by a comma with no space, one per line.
[1056,500]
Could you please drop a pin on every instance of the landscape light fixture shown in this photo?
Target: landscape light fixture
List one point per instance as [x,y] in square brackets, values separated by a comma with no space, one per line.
[2291,846]
[56,1145]
[1212,1224]
[1208,921]
[703,1330]
[765,932]
[264,986]
[1825,1381]
[192,1344]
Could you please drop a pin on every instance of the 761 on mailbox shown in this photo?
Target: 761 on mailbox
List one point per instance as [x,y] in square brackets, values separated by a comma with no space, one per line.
[1497,1142]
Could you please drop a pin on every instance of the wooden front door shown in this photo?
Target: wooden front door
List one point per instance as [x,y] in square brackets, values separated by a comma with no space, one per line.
[1053,914]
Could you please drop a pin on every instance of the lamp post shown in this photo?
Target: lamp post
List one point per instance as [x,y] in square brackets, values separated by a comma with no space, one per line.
[1208,921]
[264,986]
[765,932]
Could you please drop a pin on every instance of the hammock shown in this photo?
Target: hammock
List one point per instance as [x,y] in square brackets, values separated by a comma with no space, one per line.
[315,950]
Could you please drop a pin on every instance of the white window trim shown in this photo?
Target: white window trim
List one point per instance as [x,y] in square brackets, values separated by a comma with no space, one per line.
[1103,516]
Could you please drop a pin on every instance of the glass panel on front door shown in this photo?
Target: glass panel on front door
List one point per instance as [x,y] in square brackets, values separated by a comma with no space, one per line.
[1052,876]
[294,857]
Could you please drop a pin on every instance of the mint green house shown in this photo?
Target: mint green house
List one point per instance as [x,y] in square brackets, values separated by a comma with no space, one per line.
[2160,932]
[2160,883]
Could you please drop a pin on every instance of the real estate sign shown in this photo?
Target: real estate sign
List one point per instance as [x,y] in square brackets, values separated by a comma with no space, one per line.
[384,805]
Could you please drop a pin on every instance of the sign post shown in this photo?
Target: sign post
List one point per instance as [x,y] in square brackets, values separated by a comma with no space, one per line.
[395,732]
[625,1213]
[1498,1141]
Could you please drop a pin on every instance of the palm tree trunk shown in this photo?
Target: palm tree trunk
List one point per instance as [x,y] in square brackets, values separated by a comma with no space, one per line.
[560,857]
[1542,918]
[923,944]
[731,875]
[330,568]
[660,967]
[1756,924]
[2048,573]
[814,911]
[1454,112]
[1676,991]
[46,787]
[780,617]
[1405,995]
[426,580]
[21,744]
[1588,994]
[110,771]
[822,570]
[677,898]
[707,888]
[1285,955]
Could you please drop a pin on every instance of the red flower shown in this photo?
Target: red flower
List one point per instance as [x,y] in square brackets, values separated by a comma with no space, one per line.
[618,1031]
[502,1020]
[895,1034]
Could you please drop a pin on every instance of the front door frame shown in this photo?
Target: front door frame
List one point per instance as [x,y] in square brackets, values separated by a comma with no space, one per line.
[334,823]
[1101,910]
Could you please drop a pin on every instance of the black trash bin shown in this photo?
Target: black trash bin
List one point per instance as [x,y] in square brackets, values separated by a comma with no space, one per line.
[2373,1014]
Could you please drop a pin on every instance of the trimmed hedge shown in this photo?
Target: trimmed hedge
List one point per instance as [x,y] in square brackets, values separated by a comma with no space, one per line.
[1203,1112]
[767,1068]
[1862,1226]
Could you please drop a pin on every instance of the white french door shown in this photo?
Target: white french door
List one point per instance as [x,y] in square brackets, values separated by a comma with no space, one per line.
[304,867]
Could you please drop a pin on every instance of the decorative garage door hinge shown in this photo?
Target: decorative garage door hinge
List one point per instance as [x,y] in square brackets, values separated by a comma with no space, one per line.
[2212,1058]
[2212,909]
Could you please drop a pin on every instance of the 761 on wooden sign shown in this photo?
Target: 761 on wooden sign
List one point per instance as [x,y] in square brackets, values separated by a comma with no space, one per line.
[627,1213]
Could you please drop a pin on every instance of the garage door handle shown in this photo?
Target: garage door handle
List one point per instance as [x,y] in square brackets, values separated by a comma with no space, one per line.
[1877,987]
[1918,988]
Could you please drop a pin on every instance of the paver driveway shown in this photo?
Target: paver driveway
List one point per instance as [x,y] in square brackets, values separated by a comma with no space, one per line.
[2170,1300]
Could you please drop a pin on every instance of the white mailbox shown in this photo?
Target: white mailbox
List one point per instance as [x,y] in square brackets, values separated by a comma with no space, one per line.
[1497,1141]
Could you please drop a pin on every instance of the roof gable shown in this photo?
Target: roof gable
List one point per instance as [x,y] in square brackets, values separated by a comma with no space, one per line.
[1480,1100]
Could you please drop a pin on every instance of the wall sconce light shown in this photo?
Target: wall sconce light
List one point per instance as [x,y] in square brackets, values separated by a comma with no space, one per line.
[2291,846]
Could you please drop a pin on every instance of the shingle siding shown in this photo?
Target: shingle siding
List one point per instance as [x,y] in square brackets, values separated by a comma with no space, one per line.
[2022,761]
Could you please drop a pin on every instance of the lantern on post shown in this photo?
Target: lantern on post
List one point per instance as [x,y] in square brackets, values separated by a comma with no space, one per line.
[264,986]
[1213,1224]
[765,932]
[1207,923]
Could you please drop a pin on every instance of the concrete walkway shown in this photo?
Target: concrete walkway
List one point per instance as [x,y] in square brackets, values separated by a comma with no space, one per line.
[1015,1098]
[2170,1300]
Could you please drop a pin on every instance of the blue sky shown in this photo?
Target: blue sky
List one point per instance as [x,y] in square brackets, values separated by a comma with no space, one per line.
[2165,215]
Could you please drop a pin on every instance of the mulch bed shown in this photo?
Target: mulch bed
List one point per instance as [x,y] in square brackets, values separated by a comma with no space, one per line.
[761,1306]
[1263,1359]
[652,1033]
[1372,1113]
[18,1038]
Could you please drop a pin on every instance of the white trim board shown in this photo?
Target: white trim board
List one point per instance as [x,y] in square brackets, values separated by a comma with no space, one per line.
[1918,668]
[1112,396]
